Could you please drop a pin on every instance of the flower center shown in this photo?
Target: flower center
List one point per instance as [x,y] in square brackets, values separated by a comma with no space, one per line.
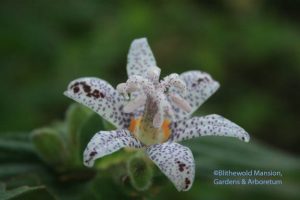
[147,134]
[152,104]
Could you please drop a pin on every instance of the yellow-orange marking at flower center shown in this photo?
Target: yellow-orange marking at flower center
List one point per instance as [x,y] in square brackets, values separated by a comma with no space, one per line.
[164,131]
[134,123]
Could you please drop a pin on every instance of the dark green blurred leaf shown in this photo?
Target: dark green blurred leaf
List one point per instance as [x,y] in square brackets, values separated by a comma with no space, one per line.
[12,149]
[15,146]
[108,126]
[231,152]
[26,193]
[76,116]
[18,168]
[104,187]
[50,146]
[228,153]
[2,187]
[91,126]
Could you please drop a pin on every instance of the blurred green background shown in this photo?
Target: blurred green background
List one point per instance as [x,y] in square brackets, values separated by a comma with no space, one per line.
[251,47]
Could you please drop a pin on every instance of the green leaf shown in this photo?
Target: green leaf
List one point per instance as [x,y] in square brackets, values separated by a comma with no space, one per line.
[108,126]
[91,126]
[76,116]
[16,169]
[233,153]
[217,153]
[105,187]
[26,193]
[50,146]
[13,149]
[2,187]
[116,158]
[15,145]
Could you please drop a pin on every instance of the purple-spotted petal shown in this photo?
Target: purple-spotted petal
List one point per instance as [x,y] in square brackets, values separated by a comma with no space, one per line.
[210,125]
[176,162]
[101,97]
[140,58]
[200,86]
[107,142]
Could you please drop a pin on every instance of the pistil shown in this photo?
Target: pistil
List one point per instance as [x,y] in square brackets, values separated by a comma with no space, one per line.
[147,132]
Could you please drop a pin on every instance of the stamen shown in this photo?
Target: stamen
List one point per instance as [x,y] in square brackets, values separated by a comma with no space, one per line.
[135,83]
[135,104]
[158,118]
[125,89]
[173,80]
[164,107]
[168,109]
[153,74]
[150,87]
[180,102]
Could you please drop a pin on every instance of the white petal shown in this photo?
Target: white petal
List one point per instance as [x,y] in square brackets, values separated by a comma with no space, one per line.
[215,125]
[140,58]
[107,142]
[176,162]
[101,97]
[200,86]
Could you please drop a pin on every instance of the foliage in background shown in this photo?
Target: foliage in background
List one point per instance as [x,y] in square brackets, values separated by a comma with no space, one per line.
[251,47]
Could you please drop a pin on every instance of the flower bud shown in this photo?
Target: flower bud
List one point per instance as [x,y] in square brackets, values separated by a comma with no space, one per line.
[140,173]
[49,145]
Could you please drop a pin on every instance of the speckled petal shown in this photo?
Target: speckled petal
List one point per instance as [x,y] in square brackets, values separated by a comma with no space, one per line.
[140,58]
[176,162]
[210,125]
[200,86]
[107,142]
[101,97]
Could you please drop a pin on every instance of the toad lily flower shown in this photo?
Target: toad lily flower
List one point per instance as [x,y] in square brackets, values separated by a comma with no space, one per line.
[155,117]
